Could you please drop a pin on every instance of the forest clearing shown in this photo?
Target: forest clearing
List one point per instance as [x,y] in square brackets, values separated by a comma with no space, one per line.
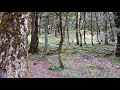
[59,45]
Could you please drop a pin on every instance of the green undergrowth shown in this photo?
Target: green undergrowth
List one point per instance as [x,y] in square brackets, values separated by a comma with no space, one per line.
[90,66]
[74,50]
[115,59]
[53,66]
[64,57]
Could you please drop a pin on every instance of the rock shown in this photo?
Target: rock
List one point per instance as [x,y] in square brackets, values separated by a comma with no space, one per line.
[2,73]
[117,67]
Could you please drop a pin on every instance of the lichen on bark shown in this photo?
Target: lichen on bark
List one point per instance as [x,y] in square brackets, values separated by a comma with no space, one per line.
[13,44]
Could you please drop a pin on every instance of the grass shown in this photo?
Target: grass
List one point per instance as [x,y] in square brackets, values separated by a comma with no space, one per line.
[53,44]
[91,66]
[53,66]
[115,59]
[74,51]
[64,57]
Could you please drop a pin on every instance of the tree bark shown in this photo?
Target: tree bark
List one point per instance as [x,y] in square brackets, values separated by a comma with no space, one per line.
[13,44]
[106,24]
[61,42]
[91,30]
[98,28]
[84,27]
[34,34]
[112,33]
[46,35]
[117,23]
[80,30]
[68,30]
[39,24]
[56,35]
[77,38]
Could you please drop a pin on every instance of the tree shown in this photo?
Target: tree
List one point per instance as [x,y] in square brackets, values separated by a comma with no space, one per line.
[77,38]
[91,30]
[106,27]
[80,30]
[46,34]
[34,33]
[112,33]
[61,41]
[84,27]
[117,23]
[39,23]
[97,27]
[67,23]
[13,44]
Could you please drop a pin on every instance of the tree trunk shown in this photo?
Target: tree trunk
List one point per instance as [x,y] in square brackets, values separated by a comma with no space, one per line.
[117,23]
[91,30]
[67,30]
[80,30]
[39,24]
[77,38]
[84,27]
[112,33]
[97,27]
[46,36]
[34,34]
[106,37]
[61,42]
[13,45]
[56,35]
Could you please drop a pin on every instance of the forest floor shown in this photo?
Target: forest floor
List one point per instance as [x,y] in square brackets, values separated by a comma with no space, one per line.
[99,64]
[88,61]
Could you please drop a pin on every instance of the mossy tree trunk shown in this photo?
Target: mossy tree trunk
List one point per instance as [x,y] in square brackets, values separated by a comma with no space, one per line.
[13,44]
[61,41]
[117,23]
[34,34]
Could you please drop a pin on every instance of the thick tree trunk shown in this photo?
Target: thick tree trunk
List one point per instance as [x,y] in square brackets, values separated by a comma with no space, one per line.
[61,42]
[77,38]
[34,34]
[13,45]
[106,24]
[117,23]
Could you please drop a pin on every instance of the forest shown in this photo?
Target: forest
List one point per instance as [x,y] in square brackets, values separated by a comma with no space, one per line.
[59,44]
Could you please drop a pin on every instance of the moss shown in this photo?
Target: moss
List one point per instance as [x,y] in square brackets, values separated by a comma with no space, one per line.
[10,20]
